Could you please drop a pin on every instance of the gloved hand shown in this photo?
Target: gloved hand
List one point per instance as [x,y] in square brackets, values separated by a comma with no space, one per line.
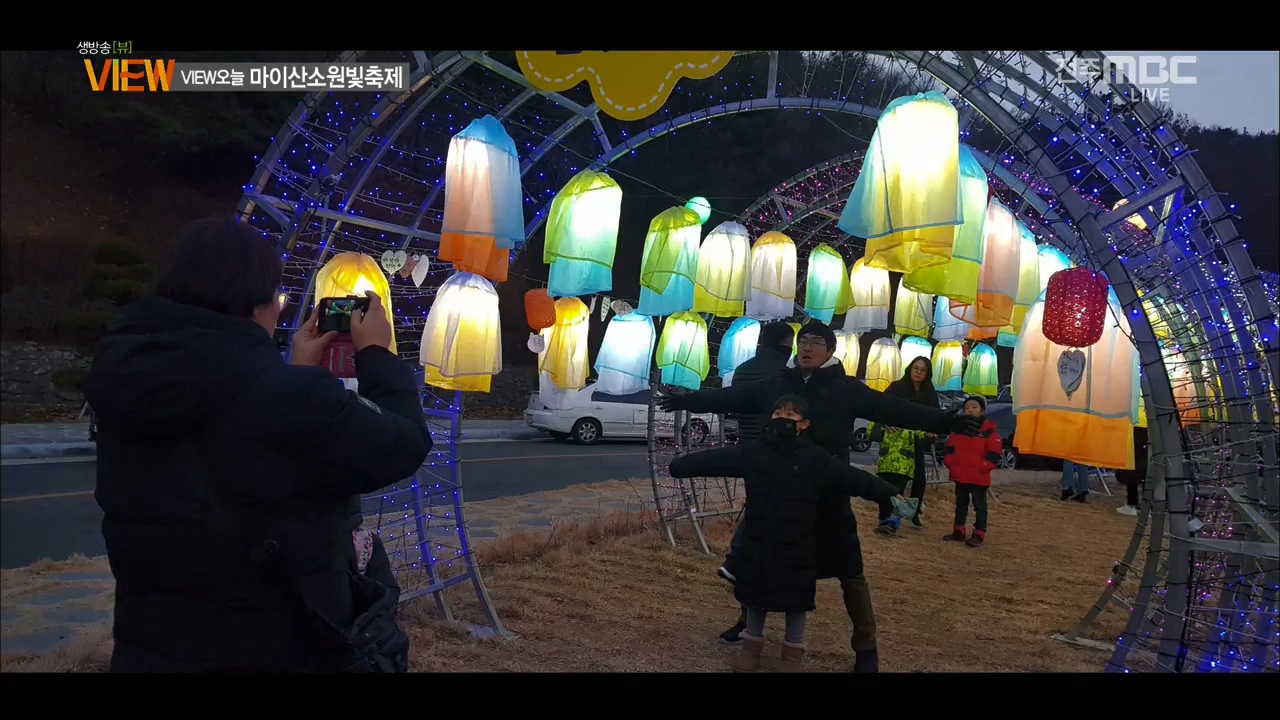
[669,397]
[958,422]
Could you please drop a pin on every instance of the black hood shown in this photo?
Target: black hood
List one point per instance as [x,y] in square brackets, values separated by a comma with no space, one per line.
[168,367]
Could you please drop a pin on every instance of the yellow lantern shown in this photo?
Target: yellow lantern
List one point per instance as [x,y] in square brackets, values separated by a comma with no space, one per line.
[825,286]
[773,277]
[352,274]
[1076,403]
[912,311]
[981,375]
[998,276]
[884,364]
[1028,286]
[461,345]
[669,262]
[906,201]
[483,210]
[848,351]
[565,357]
[948,366]
[582,235]
[724,269]
[870,287]
[683,356]
[959,278]
[795,341]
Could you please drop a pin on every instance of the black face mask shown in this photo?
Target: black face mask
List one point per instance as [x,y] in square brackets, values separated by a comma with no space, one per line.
[782,428]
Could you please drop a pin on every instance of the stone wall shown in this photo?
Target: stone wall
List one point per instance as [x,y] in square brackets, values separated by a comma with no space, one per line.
[27,371]
[508,392]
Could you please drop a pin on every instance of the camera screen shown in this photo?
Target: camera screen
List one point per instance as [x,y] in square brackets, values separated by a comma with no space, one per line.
[341,306]
[335,313]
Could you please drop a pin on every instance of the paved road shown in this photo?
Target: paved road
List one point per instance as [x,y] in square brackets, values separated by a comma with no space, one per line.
[47,508]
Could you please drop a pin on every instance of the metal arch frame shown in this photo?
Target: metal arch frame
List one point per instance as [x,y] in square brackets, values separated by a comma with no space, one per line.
[1091,225]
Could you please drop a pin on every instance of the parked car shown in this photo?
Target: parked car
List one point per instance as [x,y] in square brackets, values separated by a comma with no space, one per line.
[861,438]
[586,416]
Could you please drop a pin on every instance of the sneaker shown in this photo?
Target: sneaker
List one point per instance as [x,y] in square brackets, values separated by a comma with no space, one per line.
[1127,510]
[1066,494]
[733,636]
[1081,498]
[888,527]
[726,575]
[957,535]
[976,539]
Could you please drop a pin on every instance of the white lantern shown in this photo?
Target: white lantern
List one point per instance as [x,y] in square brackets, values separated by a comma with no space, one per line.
[773,278]
[884,364]
[461,346]
[870,288]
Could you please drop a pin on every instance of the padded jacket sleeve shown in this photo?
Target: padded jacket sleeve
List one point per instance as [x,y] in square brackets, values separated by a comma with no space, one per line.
[747,397]
[856,482]
[893,411]
[721,462]
[362,442]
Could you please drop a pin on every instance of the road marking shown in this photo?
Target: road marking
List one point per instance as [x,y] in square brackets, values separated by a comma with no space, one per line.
[48,461]
[49,496]
[83,493]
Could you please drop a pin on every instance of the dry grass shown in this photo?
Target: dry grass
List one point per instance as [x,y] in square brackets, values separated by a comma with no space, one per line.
[610,594]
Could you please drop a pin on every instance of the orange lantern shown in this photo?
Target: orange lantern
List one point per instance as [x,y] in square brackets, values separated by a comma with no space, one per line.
[539,309]
[1075,307]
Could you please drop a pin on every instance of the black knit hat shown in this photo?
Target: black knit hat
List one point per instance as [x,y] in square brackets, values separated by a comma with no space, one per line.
[982,402]
[818,329]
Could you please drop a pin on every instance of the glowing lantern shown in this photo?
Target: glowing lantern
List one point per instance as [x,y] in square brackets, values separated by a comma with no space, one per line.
[773,277]
[906,201]
[912,311]
[736,347]
[622,365]
[795,328]
[682,351]
[978,334]
[353,274]
[870,287]
[914,347]
[959,278]
[884,364]
[1028,286]
[539,309]
[565,358]
[582,235]
[483,213]
[551,396]
[700,206]
[948,366]
[825,283]
[1073,403]
[670,262]
[998,275]
[947,326]
[981,376]
[848,351]
[724,269]
[461,346]
[1075,307]
[1051,260]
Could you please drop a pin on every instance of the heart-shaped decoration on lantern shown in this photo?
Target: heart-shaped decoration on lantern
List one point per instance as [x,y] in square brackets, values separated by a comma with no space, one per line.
[392,261]
[536,343]
[1071,370]
[621,307]
[604,309]
[421,266]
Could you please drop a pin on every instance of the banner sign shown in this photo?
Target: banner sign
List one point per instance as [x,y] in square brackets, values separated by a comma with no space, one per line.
[626,84]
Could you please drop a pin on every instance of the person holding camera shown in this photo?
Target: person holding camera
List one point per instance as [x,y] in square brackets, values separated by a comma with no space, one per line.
[229,479]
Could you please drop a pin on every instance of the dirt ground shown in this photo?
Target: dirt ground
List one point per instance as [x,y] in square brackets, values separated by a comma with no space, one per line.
[612,595]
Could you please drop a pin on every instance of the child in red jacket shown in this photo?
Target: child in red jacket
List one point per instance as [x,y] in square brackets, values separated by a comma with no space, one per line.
[971,460]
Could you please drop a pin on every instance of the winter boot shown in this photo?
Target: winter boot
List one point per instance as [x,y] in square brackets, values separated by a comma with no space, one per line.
[866,661]
[792,658]
[733,636]
[976,539]
[957,535]
[748,658]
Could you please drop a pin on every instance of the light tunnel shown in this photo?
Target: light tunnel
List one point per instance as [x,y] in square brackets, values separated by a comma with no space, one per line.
[364,172]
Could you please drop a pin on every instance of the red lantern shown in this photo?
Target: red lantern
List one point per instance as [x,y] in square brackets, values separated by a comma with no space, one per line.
[1075,307]
[539,309]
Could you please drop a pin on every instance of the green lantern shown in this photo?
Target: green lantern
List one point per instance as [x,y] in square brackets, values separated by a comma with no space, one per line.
[700,205]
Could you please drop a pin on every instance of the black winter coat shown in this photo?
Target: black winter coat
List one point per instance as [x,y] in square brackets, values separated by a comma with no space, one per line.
[766,363]
[836,401]
[190,402]
[775,563]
